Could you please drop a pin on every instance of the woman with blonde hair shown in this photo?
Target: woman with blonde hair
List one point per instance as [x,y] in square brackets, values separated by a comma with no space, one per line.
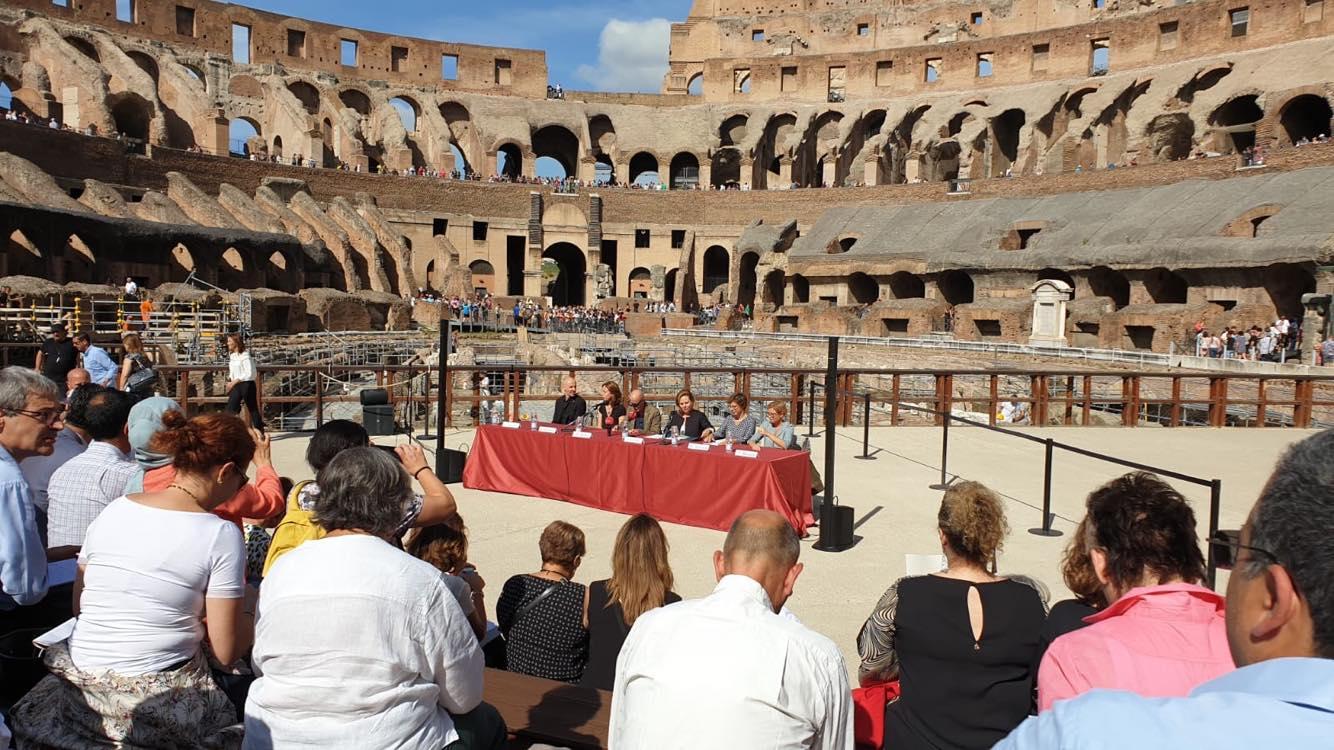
[641,580]
[961,642]
[136,372]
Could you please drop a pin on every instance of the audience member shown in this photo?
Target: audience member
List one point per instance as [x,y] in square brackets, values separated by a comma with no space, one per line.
[1280,630]
[241,381]
[157,573]
[435,504]
[445,547]
[776,433]
[962,643]
[1162,633]
[641,580]
[692,424]
[81,489]
[72,440]
[29,422]
[734,669]
[737,426]
[542,614]
[416,679]
[1067,615]
[570,407]
[137,375]
[611,412]
[57,357]
[96,361]
[642,417]
[76,377]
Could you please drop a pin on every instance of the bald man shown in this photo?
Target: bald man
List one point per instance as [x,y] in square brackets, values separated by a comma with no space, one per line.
[570,407]
[644,418]
[728,670]
[76,377]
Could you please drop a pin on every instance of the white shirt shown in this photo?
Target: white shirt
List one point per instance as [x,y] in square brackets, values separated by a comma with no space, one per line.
[37,470]
[83,488]
[725,671]
[146,574]
[359,646]
[240,367]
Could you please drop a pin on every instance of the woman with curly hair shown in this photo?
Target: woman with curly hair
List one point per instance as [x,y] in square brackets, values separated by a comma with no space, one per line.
[1067,615]
[961,642]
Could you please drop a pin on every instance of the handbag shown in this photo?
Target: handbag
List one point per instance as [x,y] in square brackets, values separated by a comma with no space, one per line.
[525,609]
[143,378]
[868,718]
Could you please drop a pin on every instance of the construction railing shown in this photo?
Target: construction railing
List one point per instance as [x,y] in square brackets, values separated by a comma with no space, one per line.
[166,322]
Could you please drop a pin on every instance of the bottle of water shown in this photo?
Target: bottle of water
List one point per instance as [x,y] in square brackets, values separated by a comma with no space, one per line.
[676,435]
[532,422]
[495,417]
[728,445]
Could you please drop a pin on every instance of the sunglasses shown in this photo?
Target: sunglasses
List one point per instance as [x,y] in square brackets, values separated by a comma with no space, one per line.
[1226,546]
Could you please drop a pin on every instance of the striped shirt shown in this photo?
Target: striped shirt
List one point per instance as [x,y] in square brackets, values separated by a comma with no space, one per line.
[81,488]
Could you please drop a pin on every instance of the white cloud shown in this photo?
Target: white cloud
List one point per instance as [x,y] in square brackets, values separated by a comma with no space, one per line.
[632,56]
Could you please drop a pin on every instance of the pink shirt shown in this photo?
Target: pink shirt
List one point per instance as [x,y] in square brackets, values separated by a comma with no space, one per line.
[1157,641]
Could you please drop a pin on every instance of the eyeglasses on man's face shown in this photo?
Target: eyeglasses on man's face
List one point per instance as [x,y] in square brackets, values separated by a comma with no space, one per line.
[1227,546]
[48,417]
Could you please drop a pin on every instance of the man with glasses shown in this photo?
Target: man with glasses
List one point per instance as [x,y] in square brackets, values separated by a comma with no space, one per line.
[30,414]
[1280,628]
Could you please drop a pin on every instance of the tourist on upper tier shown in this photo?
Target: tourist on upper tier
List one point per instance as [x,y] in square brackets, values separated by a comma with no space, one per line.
[359,644]
[570,407]
[30,414]
[962,643]
[641,580]
[642,417]
[96,361]
[542,614]
[131,287]
[693,424]
[734,669]
[1327,351]
[57,357]
[776,432]
[737,426]
[157,573]
[1280,629]
[241,381]
[611,412]
[1162,633]
[81,489]
[1077,571]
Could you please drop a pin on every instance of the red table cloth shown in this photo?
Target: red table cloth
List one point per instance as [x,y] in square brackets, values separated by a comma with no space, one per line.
[671,483]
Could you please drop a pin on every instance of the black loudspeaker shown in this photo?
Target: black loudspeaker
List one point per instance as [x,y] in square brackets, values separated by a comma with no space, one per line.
[835,528]
[374,397]
[449,465]
[378,420]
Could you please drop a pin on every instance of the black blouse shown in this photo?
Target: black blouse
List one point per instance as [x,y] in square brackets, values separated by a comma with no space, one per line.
[549,640]
[617,412]
[606,634]
[694,425]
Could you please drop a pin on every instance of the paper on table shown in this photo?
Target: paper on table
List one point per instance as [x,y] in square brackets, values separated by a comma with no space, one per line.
[653,437]
[62,572]
[920,565]
[582,435]
[635,440]
[510,425]
[746,453]
[548,430]
[55,635]
[698,446]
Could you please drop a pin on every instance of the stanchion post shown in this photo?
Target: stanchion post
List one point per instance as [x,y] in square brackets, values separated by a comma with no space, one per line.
[835,520]
[810,409]
[944,483]
[866,430]
[1045,529]
[1215,503]
[440,417]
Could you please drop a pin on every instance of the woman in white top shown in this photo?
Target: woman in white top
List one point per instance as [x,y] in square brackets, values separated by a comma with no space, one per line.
[157,572]
[241,381]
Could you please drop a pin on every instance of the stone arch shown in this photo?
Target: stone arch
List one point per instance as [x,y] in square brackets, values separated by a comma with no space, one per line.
[956,287]
[1110,283]
[1170,136]
[1165,287]
[1248,223]
[146,63]
[862,289]
[602,133]
[643,164]
[231,269]
[183,258]
[1005,131]
[684,171]
[85,47]
[1306,116]
[801,289]
[1235,121]
[558,143]
[904,285]
[308,95]
[278,260]
[641,282]
[357,100]
[567,288]
[695,86]
[24,259]
[747,278]
[232,259]
[277,148]
[669,285]
[726,168]
[509,160]
[240,132]
[776,145]
[1285,284]
[773,288]
[732,132]
[80,260]
[197,73]
[716,264]
[1056,274]
[409,111]
[19,243]
[132,115]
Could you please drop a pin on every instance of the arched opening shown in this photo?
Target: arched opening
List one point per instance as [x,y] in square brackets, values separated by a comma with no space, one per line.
[1056,274]
[904,285]
[278,261]
[603,170]
[863,289]
[132,114]
[240,133]
[1169,136]
[277,146]
[80,262]
[356,100]
[696,85]
[233,260]
[307,94]
[483,275]
[716,262]
[85,47]
[726,171]
[956,287]
[509,162]
[1165,287]
[430,274]
[1005,130]
[1305,118]
[602,133]
[749,280]
[566,285]
[196,74]
[24,259]
[733,130]
[669,285]
[1236,119]
[460,161]
[550,168]
[841,245]
[408,112]
[644,169]
[1286,283]
[558,143]
[183,259]
[146,64]
[685,171]
[641,283]
[801,290]
[7,101]
[231,271]
[327,143]
[773,288]
[1105,282]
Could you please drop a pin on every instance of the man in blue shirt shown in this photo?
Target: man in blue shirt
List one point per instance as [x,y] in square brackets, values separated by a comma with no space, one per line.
[30,417]
[96,361]
[1280,627]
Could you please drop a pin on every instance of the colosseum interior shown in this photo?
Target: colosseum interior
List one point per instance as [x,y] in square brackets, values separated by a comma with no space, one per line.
[845,167]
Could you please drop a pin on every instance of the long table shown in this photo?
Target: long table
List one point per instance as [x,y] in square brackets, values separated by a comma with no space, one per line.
[671,483]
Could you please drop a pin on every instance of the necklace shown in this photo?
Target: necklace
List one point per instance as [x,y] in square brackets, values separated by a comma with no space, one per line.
[192,495]
[563,577]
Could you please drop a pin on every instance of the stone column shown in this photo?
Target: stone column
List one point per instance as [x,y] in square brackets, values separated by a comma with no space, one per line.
[784,174]
[706,174]
[216,138]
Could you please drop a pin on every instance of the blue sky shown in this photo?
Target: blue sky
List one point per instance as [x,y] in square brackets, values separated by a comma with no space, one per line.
[602,45]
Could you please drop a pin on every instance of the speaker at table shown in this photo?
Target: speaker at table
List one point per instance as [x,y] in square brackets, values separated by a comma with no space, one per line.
[449,465]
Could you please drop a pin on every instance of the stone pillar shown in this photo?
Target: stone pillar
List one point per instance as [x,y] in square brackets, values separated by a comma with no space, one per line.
[70,114]
[784,174]
[216,139]
[532,282]
[1049,298]
[871,171]
[1318,316]
[830,171]
[912,169]
[705,174]
[529,164]
[587,170]
[622,172]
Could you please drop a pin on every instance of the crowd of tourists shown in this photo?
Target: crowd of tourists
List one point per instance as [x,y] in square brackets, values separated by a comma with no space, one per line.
[1277,342]
[209,608]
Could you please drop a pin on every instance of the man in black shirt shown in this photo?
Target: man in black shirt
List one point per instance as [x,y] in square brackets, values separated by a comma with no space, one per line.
[571,407]
[57,356]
